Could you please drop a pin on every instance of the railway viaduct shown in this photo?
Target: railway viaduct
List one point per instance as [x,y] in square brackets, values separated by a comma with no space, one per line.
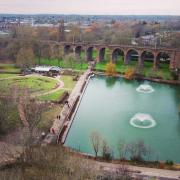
[172,56]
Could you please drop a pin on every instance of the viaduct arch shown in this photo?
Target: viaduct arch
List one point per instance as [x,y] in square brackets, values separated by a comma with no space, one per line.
[128,53]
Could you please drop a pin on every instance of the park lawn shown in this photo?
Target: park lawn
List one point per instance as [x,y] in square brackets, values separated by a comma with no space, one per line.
[10,68]
[68,86]
[7,75]
[34,84]
[62,64]
[68,81]
[53,96]
[163,72]
[120,67]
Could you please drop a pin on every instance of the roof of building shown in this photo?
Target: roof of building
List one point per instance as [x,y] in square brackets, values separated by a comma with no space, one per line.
[46,68]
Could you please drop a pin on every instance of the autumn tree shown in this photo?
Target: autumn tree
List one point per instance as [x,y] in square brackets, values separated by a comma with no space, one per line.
[111,69]
[25,57]
[129,73]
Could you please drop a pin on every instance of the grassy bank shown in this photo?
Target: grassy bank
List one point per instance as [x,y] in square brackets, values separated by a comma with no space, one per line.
[68,86]
[163,71]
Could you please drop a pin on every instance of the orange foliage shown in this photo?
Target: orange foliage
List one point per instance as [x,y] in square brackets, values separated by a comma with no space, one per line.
[111,69]
[129,74]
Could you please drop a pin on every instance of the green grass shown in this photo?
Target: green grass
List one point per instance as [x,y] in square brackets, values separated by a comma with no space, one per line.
[53,96]
[62,64]
[120,67]
[68,82]
[37,84]
[68,86]
[4,75]
[11,68]
[163,72]
[34,84]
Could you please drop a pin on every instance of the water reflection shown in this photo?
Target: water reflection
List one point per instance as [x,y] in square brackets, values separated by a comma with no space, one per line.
[110,81]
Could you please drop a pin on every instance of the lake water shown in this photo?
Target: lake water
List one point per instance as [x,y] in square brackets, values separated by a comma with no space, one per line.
[129,110]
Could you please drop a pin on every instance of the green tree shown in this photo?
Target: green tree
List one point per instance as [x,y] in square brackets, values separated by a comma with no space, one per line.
[70,60]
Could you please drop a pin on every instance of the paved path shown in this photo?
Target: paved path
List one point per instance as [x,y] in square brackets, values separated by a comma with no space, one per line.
[58,123]
[143,171]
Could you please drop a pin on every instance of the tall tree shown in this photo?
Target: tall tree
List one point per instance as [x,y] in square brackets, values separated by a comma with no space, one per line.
[25,57]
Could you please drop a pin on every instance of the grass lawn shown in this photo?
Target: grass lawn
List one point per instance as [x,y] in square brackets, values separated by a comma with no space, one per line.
[11,68]
[4,75]
[68,86]
[68,82]
[147,71]
[34,84]
[62,64]
[52,97]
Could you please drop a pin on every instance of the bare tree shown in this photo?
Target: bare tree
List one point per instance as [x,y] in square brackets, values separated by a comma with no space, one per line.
[9,118]
[30,112]
[106,151]
[122,148]
[96,142]
[50,162]
[25,57]
[137,150]
[122,172]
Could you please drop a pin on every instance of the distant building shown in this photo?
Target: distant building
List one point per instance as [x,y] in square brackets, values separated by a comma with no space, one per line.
[7,26]
[148,40]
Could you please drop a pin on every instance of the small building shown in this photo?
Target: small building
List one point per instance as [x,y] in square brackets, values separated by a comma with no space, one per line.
[47,70]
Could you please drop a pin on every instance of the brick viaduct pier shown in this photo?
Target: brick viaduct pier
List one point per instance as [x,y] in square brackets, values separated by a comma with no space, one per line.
[172,56]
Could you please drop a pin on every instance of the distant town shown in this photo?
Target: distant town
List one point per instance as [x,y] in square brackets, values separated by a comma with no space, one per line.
[164,26]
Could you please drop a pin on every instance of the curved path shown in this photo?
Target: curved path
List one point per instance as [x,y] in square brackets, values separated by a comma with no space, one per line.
[60,84]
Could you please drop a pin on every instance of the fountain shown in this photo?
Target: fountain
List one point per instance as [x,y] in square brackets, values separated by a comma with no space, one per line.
[141,120]
[145,88]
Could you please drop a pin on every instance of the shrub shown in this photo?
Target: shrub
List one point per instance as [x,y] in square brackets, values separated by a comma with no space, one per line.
[169,163]
[129,74]
[111,69]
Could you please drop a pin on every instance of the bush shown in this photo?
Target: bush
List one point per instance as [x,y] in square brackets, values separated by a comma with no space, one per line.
[111,69]
[129,74]
[169,163]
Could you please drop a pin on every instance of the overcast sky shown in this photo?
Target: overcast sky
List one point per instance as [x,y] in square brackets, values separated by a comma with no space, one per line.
[119,7]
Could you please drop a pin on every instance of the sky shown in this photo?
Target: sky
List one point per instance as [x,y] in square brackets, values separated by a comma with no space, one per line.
[106,7]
